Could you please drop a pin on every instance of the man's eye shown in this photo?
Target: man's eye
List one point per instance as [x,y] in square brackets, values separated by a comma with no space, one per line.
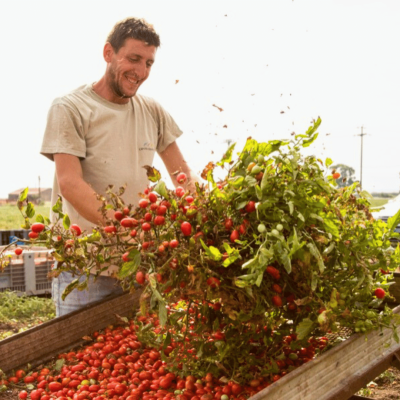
[133,60]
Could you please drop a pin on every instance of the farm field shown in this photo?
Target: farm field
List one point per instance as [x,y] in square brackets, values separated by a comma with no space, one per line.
[11,219]
[378,201]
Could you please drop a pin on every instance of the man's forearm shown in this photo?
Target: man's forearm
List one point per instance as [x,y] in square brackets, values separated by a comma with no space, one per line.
[84,199]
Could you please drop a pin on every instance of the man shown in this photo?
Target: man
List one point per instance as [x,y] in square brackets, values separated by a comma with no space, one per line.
[104,133]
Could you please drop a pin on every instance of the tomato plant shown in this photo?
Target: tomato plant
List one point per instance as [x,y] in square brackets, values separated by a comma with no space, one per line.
[273,251]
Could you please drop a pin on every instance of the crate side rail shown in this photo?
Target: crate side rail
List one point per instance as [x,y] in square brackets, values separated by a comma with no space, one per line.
[43,342]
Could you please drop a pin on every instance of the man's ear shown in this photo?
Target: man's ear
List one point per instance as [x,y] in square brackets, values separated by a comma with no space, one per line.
[108,52]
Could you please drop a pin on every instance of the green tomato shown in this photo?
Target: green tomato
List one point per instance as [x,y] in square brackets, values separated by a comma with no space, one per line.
[359,324]
[275,232]
[279,227]
[369,324]
[261,228]
[260,159]
[371,315]
[256,169]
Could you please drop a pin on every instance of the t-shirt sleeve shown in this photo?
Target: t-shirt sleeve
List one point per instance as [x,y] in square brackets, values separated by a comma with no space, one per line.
[168,130]
[64,132]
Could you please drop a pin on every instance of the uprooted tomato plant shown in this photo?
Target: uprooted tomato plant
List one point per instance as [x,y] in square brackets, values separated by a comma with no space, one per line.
[244,277]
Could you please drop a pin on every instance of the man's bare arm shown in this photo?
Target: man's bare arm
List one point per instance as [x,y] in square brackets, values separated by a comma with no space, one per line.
[174,161]
[75,189]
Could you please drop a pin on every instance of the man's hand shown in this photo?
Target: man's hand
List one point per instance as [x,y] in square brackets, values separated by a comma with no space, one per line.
[174,161]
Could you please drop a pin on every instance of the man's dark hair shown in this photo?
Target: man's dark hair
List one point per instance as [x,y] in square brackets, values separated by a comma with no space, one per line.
[133,28]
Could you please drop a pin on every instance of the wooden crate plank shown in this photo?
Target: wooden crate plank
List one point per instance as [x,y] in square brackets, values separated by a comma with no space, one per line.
[394,289]
[53,337]
[326,377]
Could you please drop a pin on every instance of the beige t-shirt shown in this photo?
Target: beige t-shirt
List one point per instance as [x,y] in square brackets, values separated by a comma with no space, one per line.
[112,141]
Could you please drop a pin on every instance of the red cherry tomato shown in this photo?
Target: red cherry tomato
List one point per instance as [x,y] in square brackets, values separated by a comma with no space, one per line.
[76,230]
[37,227]
[186,228]
[181,178]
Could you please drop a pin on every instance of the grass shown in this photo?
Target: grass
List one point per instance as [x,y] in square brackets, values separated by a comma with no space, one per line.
[378,202]
[19,313]
[11,218]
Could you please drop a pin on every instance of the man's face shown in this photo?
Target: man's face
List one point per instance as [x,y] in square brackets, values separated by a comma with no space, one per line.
[128,68]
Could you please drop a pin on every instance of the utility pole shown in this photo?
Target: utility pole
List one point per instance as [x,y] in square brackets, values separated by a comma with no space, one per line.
[362,134]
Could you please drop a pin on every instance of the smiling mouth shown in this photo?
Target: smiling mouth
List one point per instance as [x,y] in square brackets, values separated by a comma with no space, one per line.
[132,81]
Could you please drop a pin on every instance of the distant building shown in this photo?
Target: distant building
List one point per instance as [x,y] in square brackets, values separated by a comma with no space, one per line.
[33,194]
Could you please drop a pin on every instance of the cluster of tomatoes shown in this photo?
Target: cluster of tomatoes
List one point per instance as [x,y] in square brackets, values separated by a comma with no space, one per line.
[116,365]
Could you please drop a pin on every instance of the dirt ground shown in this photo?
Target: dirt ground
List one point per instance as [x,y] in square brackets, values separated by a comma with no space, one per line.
[384,387]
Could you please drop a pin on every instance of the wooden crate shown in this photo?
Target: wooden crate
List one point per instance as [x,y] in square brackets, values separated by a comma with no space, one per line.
[335,375]
[45,341]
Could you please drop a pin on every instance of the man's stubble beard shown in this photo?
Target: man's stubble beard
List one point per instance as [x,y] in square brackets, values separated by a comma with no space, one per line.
[115,88]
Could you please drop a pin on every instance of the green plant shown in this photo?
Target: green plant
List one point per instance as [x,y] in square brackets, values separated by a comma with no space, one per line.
[266,261]
[22,312]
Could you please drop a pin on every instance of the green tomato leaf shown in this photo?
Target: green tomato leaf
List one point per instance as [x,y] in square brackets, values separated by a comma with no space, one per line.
[162,313]
[392,222]
[30,210]
[236,181]
[328,249]
[59,364]
[291,207]
[57,208]
[66,222]
[212,251]
[300,216]
[23,195]
[349,190]
[58,256]
[73,285]
[252,264]
[317,255]
[130,267]
[153,174]
[331,227]
[258,192]
[283,256]
[161,189]
[227,157]
[250,181]
[304,328]
[314,281]
[295,244]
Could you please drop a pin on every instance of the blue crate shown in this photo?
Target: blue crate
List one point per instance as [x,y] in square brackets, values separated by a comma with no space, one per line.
[16,240]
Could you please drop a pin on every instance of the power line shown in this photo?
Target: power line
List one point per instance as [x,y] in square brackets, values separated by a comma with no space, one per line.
[362,134]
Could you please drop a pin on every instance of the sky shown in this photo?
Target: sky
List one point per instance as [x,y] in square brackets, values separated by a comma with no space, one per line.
[272,66]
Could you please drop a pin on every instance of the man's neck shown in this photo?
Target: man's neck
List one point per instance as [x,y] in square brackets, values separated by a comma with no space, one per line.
[102,88]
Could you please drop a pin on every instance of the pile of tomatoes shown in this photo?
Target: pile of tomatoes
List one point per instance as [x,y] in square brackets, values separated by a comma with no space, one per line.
[116,365]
